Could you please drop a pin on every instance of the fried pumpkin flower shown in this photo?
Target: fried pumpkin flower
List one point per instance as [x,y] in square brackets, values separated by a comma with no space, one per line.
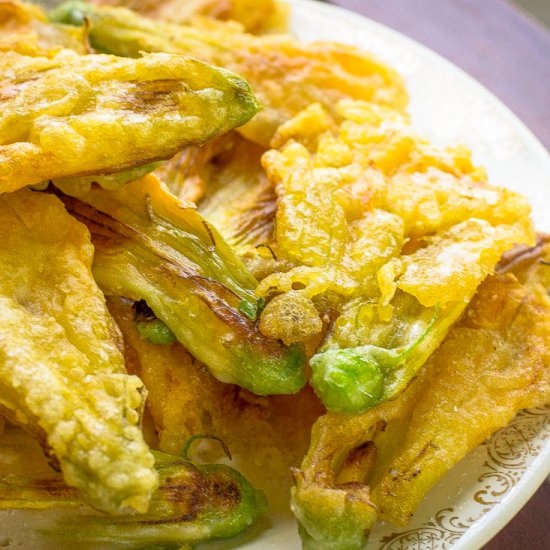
[24,28]
[379,465]
[397,235]
[151,247]
[265,434]
[193,503]
[256,16]
[61,370]
[72,115]
[285,75]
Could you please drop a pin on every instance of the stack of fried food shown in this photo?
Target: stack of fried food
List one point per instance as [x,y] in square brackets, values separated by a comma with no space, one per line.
[215,237]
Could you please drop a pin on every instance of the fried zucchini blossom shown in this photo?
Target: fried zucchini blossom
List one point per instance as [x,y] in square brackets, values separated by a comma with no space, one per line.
[62,374]
[151,247]
[71,115]
[390,234]
[285,75]
[379,465]
[193,503]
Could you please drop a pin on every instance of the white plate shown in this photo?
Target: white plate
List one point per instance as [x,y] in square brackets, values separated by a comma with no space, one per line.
[486,489]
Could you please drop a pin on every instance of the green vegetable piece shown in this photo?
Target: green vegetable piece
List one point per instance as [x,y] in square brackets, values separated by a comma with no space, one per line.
[150,328]
[194,503]
[336,532]
[80,185]
[156,332]
[151,247]
[125,33]
[353,380]
[252,309]
[70,13]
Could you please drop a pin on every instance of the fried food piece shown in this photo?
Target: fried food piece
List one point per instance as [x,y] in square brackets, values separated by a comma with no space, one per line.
[379,465]
[226,180]
[498,361]
[263,433]
[187,173]
[183,396]
[24,28]
[239,200]
[192,504]
[286,75]
[61,370]
[256,16]
[150,246]
[339,203]
[396,233]
[332,498]
[73,115]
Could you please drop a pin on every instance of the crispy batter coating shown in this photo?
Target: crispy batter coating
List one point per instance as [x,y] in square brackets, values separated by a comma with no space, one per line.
[494,364]
[349,187]
[151,247]
[72,115]
[61,368]
[270,434]
[379,465]
[24,28]
[285,75]
[193,503]
[394,232]
[256,16]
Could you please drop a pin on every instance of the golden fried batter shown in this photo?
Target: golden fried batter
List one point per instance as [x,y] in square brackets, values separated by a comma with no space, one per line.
[76,115]
[24,28]
[256,16]
[285,75]
[61,369]
[348,188]
[493,363]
